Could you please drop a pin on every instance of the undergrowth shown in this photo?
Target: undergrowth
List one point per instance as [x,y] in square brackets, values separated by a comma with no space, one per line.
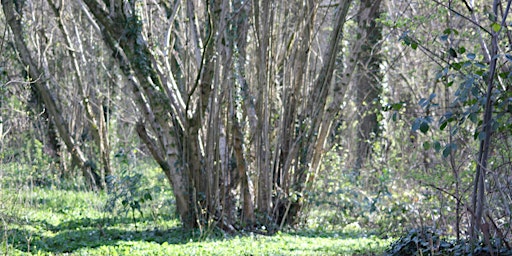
[137,217]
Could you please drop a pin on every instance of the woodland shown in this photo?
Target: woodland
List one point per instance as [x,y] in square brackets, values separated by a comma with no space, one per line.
[191,123]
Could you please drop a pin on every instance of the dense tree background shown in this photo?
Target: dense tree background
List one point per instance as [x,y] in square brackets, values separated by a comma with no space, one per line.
[382,115]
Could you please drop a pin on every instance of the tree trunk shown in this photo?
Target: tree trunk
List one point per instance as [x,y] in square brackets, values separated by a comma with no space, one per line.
[176,148]
[41,82]
[190,125]
[310,142]
[368,81]
[240,90]
[95,117]
[263,21]
[483,153]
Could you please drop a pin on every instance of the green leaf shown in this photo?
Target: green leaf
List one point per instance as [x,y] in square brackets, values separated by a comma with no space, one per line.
[496,27]
[450,31]
[462,50]
[147,196]
[475,91]
[452,52]
[437,146]
[490,14]
[397,106]
[456,66]
[447,150]
[481,136]
[473,118]
[424,127]
[406,39]
[426,145]
[503,75]
[480,65]
[443,125]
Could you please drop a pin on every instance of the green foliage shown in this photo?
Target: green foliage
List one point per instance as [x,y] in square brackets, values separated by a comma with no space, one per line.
[126,189]
[358,201]
[41,220]
[424,241]
[41,171]
[446,130]
[429,241]
[134,189]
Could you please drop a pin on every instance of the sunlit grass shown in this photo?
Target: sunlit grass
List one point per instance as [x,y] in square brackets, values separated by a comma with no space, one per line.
[48,220]
[280,244]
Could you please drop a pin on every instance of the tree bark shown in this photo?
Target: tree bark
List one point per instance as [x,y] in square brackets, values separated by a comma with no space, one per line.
[483,153]
[240,90]
[367,84]
[41,81]
[190,125]
[310,142]
[263,21]
[161,105]
[96,120]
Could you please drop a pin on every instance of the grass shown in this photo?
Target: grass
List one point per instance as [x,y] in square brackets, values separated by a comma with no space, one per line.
[62,220]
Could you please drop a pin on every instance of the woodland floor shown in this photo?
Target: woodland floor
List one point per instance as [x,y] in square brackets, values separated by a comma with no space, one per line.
[62,219]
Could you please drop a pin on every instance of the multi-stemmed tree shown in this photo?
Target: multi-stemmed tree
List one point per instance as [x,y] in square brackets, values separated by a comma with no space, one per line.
[233,105]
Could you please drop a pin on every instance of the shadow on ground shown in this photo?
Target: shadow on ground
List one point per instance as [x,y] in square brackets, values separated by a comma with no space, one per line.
[73,235]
